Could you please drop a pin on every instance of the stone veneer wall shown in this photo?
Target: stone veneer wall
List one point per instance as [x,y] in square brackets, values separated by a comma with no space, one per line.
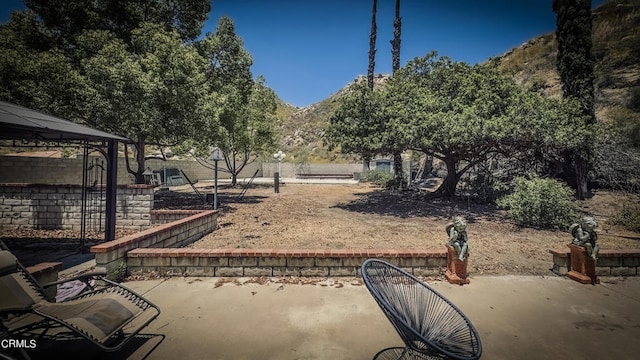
[270,262]
[41,206]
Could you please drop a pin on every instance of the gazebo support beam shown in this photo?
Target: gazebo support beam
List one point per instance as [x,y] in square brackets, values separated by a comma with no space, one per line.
[112,190]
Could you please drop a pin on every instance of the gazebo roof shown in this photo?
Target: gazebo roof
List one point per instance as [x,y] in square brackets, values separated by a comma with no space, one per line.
[17,122]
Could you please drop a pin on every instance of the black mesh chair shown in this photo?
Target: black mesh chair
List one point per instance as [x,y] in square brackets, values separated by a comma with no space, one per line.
[429,324]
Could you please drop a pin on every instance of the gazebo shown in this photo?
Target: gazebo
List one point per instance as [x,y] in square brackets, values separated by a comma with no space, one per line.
[20,123]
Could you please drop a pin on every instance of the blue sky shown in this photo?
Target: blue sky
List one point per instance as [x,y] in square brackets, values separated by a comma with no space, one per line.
[309,49]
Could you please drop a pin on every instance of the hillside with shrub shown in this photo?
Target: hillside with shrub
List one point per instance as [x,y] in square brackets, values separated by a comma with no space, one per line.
[616,48]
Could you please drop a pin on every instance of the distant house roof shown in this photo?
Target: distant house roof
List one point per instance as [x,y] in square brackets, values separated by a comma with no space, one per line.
[17,122]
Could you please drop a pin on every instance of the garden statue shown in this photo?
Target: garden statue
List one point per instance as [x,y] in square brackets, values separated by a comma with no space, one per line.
[584,234]
[457,232]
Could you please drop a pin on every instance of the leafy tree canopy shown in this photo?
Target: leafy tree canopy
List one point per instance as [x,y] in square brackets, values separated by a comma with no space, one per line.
[357,126]
[457,113]
[244,126]
[128,67]
[67,19]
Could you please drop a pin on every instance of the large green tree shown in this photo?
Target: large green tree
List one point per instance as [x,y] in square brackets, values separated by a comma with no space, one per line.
[464,115]
[252,134]
[575,64]
[123,66]
[245,123]
[357,126]
[35,75]
[67,19]
[153,92]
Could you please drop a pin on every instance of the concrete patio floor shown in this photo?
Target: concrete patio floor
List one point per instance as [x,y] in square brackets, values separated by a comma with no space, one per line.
[518,317]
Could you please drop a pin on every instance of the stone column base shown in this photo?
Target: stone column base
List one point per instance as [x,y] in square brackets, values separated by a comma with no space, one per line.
[456,270]
[583,267]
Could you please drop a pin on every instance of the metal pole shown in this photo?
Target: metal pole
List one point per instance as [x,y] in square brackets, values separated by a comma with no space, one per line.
[112,190]
[215,186]
[83,206]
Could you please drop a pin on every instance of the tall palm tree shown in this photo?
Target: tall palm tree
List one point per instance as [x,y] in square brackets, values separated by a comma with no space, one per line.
[372,46]
[395,58]
[575,64]
[366,158]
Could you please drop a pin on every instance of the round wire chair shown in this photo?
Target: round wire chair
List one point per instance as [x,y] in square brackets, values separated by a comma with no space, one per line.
[428,323]
[401,353]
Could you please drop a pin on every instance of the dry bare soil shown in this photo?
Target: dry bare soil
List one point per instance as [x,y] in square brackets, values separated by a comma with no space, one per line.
[362,216]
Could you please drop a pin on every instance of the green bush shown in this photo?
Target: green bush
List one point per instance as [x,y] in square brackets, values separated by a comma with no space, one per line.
[629,217]
[380,178]
[538,202]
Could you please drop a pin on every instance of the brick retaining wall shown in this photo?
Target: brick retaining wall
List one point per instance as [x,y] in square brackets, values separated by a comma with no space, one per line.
[159,217]
[610,262]
[270,262]
[174,234]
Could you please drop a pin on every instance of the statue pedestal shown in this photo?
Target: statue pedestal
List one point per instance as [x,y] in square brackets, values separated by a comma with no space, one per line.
[456,270]
[583,267]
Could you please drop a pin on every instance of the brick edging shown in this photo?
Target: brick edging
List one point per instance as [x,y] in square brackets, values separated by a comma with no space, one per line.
[149,233]
[331,253]
[173,234]
[614,262]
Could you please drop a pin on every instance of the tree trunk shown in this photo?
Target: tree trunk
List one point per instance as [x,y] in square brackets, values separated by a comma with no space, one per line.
[448,186]
[581,168]
[140,159]
[397,170]
[231,166]
[234,179]
[426,167]
[366,168]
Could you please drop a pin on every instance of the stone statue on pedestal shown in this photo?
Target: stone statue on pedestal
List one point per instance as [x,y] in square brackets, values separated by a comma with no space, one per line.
[584,234]
[457,232]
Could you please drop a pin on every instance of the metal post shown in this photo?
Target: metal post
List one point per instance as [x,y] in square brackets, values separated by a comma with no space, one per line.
[83,216]
[215,186]
[276,176]
[112,189]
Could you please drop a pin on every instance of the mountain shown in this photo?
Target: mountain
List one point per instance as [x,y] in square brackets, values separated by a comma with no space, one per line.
[302,131]
[616,48]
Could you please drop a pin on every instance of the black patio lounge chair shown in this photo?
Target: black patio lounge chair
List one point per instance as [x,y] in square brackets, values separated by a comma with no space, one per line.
[430,326]
[106,313]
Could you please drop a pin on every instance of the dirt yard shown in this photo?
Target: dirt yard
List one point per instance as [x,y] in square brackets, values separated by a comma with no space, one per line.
[362,216]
